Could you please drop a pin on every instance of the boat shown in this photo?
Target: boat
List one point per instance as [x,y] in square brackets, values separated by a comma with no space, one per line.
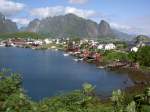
[80,59]
[70,53]
[2,45]
[76,60]
[56,49]
[33,48]
[101,67]
[66,54]
[13,45]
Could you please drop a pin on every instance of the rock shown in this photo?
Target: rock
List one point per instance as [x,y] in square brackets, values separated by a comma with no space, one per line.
[6,25]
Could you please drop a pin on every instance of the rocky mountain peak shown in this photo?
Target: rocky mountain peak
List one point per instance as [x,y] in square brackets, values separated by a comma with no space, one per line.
[104,29]
[33,25]
[71,25]
[6,25]
[2,17]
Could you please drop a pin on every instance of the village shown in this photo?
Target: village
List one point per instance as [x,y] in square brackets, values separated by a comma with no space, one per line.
[104,55]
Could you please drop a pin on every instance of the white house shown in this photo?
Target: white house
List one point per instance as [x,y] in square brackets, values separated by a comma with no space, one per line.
[100,46]
[110,46]
[134,49]
[81,42]
[67,38]
[64,43]
[47,41]
[38,42]
[53,47]
[73,42]
[57,41]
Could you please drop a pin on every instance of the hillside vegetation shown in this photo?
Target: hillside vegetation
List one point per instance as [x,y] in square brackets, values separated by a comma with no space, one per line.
[21,35]
[14,99]
[141,38]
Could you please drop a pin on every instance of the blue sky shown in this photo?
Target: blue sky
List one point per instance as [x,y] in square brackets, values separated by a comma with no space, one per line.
[132,16]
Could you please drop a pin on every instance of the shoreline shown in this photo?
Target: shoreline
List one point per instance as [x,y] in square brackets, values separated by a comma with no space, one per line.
[140,79]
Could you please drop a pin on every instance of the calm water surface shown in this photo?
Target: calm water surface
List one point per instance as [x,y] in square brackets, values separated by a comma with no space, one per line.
[47,73]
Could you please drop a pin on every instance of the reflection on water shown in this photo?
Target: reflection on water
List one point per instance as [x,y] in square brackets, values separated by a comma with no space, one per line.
[46,73]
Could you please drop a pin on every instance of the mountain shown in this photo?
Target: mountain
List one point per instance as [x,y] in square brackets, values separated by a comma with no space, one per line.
[141,38]
[33,26]
[123,36]
[6,25]
[64,26]
[104,29]
[71,25]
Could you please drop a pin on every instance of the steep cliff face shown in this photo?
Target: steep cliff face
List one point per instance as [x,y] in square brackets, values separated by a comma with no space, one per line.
[6,25]
[104,29]
[2,26]
[33,26]
[68,26]
[64,26]
[71,25]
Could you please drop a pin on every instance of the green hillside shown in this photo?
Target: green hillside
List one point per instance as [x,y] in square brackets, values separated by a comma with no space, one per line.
[141,38]
[21,35]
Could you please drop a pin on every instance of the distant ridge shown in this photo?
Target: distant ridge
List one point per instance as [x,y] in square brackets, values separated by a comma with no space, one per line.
[141,38]
[71,25]
[68,25]
[6,25]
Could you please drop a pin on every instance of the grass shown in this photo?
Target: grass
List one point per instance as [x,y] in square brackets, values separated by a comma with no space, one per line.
[145,69]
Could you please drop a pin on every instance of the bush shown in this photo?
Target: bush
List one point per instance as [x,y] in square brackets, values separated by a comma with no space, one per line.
[143,56]
[13,99]
[9,85]
[110,56]
[132,56]
[118,101]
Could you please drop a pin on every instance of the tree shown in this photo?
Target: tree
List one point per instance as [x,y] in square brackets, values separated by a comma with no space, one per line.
[132,56]
[9,85]
[17,102]
[143,56]
[12,97]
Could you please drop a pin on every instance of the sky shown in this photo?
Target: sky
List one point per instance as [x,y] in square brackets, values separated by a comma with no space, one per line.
[131,16]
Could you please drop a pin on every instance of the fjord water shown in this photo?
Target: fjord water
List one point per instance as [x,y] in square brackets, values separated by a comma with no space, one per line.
[47,73]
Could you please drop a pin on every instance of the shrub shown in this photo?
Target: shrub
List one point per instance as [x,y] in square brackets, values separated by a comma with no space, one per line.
[143,56]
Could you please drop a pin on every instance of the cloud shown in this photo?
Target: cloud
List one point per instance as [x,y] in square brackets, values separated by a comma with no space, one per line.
[143,22]
[119,26]
[124,28]
[61,10]
[47,11]
[9,8]
[131,29]
[80,12]
[78,1]
[21,21]
[134,25]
